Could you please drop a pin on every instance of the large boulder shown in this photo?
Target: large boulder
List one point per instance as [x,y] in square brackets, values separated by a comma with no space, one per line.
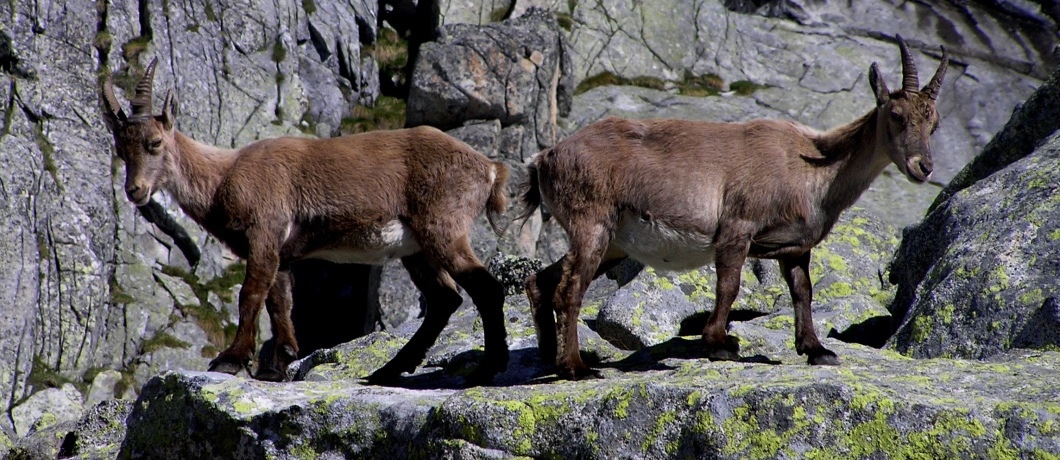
[978,276]
[659,406]
[47,408]
[516,72]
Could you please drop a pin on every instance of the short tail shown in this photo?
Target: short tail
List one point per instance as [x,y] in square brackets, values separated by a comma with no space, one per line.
[531,197]
[498,200]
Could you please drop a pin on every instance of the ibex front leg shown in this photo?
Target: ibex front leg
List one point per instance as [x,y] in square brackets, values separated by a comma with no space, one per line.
[796,272]
[262,264]
[729,256]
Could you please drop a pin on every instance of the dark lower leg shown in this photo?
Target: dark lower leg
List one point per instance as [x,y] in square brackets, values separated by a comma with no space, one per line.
[256,285]
[488,295]
[580,266]
[797,275]
[285,351]
[540,289]
[441,301]
[729,261]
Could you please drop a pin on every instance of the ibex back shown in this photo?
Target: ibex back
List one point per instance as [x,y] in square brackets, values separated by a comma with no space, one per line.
[410,194]
[678,194]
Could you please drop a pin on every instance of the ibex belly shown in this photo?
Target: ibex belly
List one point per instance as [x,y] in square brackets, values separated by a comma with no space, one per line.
[661,245]
[391,241]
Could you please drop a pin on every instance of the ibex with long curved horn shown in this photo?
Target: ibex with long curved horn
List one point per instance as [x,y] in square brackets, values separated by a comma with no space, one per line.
[676,194]
[410,194]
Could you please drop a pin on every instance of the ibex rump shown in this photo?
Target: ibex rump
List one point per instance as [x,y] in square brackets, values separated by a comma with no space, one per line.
[677,194]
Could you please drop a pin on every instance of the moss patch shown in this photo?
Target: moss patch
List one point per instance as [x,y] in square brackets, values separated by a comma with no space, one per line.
[610,79]
[162,340]
[388,113]
[701,85]
[744,87]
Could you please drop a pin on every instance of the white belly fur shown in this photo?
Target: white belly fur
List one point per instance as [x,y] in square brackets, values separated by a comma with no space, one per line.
[393,240]
[660,246]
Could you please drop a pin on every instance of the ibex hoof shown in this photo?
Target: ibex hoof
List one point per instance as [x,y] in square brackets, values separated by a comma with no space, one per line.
[823,357]
[721,354]
[581,373]
[271,374]
[228,367]
[386,376]
[728,350]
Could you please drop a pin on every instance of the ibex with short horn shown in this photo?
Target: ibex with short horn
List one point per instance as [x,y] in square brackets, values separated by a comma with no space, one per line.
[677,194]
[410,194]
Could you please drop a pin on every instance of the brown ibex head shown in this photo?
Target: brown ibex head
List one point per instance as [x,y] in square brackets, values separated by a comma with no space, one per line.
[906,118]
[143,140]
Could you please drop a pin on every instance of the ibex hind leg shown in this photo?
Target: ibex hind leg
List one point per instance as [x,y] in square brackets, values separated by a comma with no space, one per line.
[448,250]
[488,295]
[582,263]
[540,289]
[441,299]
[278,305]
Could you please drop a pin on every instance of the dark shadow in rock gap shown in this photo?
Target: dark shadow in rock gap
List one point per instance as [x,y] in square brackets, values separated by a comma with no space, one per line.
[872,332]
[332,304]
[693,325]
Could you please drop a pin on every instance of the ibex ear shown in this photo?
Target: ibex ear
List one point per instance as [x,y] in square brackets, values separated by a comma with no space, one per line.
[168,107]
[878,86]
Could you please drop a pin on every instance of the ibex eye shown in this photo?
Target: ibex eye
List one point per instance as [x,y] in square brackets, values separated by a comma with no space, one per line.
[896,116]
[155,144]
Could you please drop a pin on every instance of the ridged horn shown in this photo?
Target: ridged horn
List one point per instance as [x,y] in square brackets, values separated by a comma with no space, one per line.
[142,102]
[910,82]
[112,101]
[932,88]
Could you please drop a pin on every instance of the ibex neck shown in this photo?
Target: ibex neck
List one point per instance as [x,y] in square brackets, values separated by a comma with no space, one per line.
[198,173]
[857,160]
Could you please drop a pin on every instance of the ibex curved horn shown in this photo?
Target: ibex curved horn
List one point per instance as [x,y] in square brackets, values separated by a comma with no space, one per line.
[932,88]
[112,102]
[142,102]
[910,82]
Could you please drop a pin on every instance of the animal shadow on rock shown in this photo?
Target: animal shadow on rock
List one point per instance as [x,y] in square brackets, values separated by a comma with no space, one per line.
[525,367]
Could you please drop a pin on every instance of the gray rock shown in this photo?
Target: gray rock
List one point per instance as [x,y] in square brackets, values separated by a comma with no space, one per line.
[456,351]
[977,277]
[1032,121]
[46,408]
[512,271]
[399,300]
[482,135]
[104,387]
[877,404]
[516,72]
[475,12]
[99,433]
